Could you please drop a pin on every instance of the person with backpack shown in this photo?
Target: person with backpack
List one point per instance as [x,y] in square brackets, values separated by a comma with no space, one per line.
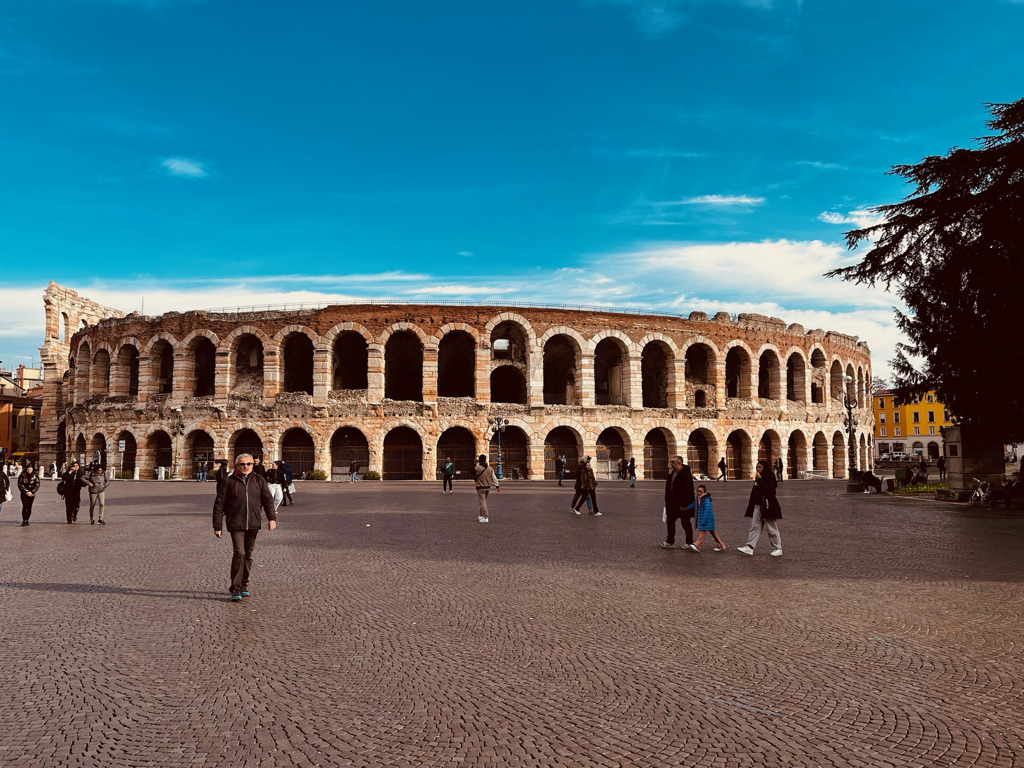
[28,484]
[705,518]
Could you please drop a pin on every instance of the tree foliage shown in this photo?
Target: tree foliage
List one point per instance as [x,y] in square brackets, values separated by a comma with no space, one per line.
[953,250]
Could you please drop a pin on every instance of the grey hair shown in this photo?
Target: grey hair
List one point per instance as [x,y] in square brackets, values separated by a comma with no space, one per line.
[679,459]
[241,456]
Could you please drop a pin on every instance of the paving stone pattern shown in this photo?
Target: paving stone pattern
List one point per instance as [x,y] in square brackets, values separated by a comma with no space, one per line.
[388,628]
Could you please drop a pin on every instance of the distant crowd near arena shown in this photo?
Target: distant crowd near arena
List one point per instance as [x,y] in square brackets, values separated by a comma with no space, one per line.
[398,387]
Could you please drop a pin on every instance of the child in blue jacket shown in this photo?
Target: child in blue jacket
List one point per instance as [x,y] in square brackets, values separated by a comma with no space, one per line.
[705,518]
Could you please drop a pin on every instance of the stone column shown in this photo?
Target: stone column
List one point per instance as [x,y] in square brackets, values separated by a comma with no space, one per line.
[223,381]
[183,384]
[321,374]
[429,373]
[482,373]
[147,379]
[375,443]
[322,458]
[585,384]
[535,379]
[634,381]
[535,457]
[677,384]
[720,388]
[272,374]
[374,382]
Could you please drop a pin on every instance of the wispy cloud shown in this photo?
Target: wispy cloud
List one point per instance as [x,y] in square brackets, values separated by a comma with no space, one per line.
[822,166]
[184,167]
[464,253]
[718,201]
[860,218]
[659,154]
[659,17]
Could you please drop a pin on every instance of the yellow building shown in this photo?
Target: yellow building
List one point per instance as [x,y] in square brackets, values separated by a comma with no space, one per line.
[912,429]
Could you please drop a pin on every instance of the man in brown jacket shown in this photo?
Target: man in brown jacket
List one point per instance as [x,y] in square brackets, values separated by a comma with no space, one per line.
[242,498]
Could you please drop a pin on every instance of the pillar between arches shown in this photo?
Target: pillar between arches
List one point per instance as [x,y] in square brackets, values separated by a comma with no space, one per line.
[321,375]
[429,376]
[374,379]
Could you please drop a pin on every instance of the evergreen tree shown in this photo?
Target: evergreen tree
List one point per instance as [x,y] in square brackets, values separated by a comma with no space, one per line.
[953,250]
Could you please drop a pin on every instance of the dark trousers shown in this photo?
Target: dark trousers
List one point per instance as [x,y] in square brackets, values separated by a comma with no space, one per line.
[670,522]
[244,544]
[26,506]
[71,507]
[582,494]
[447,483]
[286,497]
[561,476]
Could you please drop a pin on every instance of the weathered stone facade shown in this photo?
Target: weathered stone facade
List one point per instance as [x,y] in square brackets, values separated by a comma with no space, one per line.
[397,387]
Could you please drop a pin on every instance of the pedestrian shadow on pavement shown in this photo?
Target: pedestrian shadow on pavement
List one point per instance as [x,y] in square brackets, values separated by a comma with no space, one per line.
[107,589]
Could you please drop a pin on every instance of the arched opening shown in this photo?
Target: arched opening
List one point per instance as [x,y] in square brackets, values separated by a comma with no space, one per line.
[917,449]
[817,393]
[509,342]
[200,449]
[508,385]
[839,451]
[204,367]
[700,399]
[561,365]
[699,448]
[124,381]
[297,449]
[769,449]
[65,324]
[161,448]
[460,445]
[737,455]
[128,455]
[83,372]
[562,441]
[162,367]
[818,359]
[101,373]
[515,452]
[860,387]
[656,362]
[62,444]
[403,454]
[348,444]
[835,378]
[248,367]
[456,365]
[697,364]
[657,448]
[81,449]
[796,379]
[820,447]
[298,366]
[768,376]
[796,453]
[350,363]
[403,370]
[933,449]
[851,385]
[737,373]
[610,386]
[611,446]
[245,441]
[98,449]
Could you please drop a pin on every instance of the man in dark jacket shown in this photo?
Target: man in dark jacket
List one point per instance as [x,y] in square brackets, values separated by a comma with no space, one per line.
[678,496]
[241,499]
[286,484]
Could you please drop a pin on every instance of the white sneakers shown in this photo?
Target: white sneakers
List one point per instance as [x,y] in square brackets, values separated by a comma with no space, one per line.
[692,547]
[483,520]
[776,553]
[666,545]
[746,550]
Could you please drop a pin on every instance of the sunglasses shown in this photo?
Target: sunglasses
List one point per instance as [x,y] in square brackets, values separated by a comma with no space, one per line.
[245,463]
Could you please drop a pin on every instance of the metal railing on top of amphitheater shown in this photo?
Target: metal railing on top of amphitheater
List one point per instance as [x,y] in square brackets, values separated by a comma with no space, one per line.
[446,302]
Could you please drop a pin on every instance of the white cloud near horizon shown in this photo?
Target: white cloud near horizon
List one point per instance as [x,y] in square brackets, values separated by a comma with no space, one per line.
[185,167]
[722,201]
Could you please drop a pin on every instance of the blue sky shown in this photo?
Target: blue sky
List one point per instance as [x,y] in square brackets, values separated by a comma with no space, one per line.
[664,154]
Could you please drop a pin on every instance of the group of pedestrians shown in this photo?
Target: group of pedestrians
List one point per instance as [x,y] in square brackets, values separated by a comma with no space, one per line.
[69,488]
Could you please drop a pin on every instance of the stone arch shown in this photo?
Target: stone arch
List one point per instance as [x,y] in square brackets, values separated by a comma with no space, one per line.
[299,450]
[657,372]
[412,328]
[562,440]
[851,385]
[200,363]
[347,327]
[279,338]
[515,452]
[702,452]
[611,369]
[818,358]
[613,443]
[298,347]
[796,454]
[860,387]
[350,356]
[796,377]
[456,361]
[159,452]
[738,455]
[511,317]
[403,454]
[835,378]
[769,448]
[97,449]
[199,447]
[160,353]
[738,370]
[403,365]
[511,340]
[124,379]
[839,451]
[659,446]
[245,440]
[459,443]
[820,452]
[205,333]
[769,373]
[246,348]
[101,370]
[349,444]
[700,361]
[508,385]
[157,337]
[563,368]
[128,457]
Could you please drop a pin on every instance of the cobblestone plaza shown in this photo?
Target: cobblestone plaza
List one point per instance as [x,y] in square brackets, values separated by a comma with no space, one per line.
[387,627]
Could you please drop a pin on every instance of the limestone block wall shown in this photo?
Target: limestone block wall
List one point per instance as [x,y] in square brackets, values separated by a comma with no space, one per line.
[402,438]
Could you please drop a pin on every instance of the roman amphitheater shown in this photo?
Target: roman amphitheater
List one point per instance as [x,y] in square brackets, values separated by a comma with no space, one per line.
[397,387]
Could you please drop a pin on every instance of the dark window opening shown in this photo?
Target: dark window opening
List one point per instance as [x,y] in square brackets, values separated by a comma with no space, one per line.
[737,373]
[654,364]
[768,377]
[297,449]
[795,379]
[561,441]
[698,453]
[508,385]
[700,399]
[298,364]
[508,342]
[246,441]
[248,366]
[205,367]
[609,363]
[403,454]
[164,354]
[347,445]
[403,367]
[656,455]
[696,364]
[560,360]
[350,361]
[457,443]
[161,446]
[456,365]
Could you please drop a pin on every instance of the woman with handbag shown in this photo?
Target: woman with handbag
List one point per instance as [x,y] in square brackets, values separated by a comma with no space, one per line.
[72,482]
[764,510]
[28,484]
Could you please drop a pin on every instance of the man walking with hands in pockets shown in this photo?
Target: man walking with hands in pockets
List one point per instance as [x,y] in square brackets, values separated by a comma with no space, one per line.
[242,498]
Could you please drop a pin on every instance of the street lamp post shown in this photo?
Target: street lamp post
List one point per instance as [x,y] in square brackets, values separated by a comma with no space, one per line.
[498,424]
[177,429]
[850,403]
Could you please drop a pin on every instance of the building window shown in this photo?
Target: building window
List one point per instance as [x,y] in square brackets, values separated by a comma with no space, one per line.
[881,432]
[944,419]
[881,418]
[881,402]
[931,398]
[896,417]
[32,423]
[917,430]
[931,417]
[931,430]
[897,432]
[917,417]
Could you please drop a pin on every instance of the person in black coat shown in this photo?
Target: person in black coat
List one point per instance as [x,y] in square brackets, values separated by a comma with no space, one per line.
[73,482]
[28,484]
[678,496]
[764,510]
[222,474]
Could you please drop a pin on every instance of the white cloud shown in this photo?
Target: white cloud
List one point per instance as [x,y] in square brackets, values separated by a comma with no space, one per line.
[823,166]
[184,166]
[718,201]
[861,218]
[464,253]
[659,17]
[469,291]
